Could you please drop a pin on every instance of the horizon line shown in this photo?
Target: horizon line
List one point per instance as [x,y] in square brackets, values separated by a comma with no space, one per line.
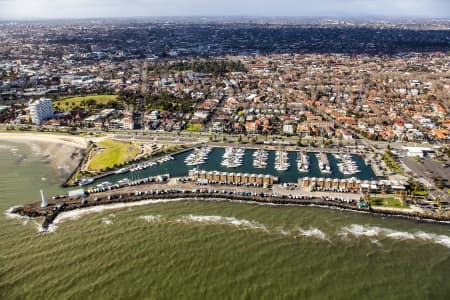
[342,17]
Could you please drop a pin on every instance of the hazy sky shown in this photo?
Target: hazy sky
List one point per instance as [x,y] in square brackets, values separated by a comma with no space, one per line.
[10,9]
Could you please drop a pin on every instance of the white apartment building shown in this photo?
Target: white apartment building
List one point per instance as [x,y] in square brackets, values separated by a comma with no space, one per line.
[40,110]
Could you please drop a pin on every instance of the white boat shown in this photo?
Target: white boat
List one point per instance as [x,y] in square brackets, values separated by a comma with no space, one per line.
[197,157]
[124,181]
[347,166]
[86,181]
[324,163]
[303,162]
[104,184]
[281,161]
[122,171]
[232,158]
[260,159]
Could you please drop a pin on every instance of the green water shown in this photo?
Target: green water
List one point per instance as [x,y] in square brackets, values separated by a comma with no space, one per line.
[193,250]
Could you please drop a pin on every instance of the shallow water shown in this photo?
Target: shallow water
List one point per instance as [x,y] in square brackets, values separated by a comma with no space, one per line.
[198,250]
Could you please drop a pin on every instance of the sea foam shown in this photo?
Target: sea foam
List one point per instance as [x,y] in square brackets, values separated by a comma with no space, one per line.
[314,233]
[223,221]
[152,218]
[10,215]
[107,221]
[358,230]
[78,213]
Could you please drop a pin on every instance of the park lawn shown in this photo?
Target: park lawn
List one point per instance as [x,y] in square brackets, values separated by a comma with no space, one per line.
[420,193]
[391,163]
[194,127]
[388,202]
[114,153]
[68,103]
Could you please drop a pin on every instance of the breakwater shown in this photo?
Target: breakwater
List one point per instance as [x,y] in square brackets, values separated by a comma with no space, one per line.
[51,212]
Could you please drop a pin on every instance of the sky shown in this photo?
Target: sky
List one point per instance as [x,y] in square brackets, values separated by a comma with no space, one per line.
[31,9]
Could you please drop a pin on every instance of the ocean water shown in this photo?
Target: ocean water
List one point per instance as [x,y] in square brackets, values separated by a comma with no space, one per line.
[209,250]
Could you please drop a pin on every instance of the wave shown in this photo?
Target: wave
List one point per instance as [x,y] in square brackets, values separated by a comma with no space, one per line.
[355,230]
[358,230]
[10,215]
[78,213]
[51,228]
[13,149]
[284,232]
[107,221]
[151,218]
[443,240]
[223,221]
[314,233]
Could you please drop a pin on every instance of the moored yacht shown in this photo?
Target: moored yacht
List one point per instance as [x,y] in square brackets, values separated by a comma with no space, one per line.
[324,164]
[281,161]
[198,156]
[347,166]
[232,158]
[260,159]
[303,162]
[86,181]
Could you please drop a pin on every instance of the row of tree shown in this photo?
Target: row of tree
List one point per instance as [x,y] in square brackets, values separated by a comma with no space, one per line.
[215,67]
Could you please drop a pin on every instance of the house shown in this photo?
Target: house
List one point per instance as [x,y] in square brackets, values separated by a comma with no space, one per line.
[288,129]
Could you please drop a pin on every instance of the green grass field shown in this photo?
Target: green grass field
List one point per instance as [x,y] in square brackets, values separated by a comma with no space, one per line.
[114,153]
[387,202]
[194,127]
[420,193]
[68,103]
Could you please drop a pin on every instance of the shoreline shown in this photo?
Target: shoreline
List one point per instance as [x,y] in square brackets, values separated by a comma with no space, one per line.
[53,216]
[72,141]
[63,153]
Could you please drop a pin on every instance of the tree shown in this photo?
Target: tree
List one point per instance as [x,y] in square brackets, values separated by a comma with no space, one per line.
[91,102]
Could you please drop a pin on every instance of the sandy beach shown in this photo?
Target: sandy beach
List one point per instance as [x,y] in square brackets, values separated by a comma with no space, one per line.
[72,141]
[62,152]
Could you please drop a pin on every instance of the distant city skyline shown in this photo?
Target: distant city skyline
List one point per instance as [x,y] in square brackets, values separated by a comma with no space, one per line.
[53,9]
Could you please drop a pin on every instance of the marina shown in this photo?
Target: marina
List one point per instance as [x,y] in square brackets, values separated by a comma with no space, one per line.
[162,214]
[198,157]
[232,158]
[243,161]
[144,165]
[346,165]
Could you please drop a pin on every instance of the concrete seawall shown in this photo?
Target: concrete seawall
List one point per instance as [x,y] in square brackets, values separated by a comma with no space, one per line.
[51,212]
